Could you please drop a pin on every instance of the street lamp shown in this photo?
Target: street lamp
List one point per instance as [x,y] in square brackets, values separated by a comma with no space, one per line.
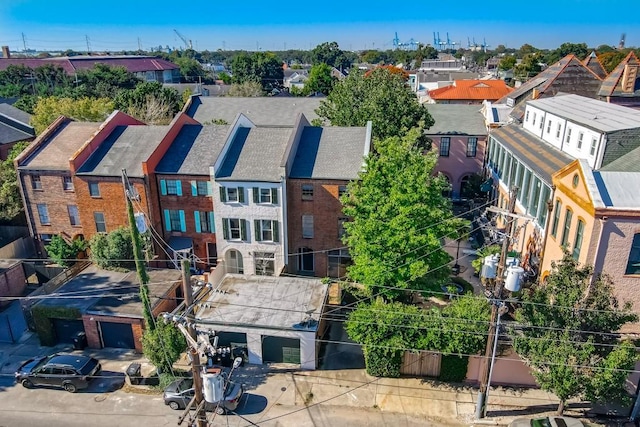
[456,266]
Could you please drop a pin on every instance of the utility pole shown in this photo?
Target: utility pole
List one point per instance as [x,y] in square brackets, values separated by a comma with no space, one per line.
[24,43]
[485,369]
[196,369]
[88,45]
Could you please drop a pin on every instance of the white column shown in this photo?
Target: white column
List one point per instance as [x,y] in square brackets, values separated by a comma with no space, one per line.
[254,346]
[308,350]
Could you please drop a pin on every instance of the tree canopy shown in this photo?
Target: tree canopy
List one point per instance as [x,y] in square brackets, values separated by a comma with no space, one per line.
[150,102]
[568,335]
[399,219]
[382,97]
[48,109]
[330,53]
[10,200]
[320,79]
[262,67]
[63,253]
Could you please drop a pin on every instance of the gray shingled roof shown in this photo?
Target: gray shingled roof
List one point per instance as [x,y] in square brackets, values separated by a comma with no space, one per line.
[590,112]
[194,149]
[255,155]
[15,113]
[14,125]
[125,148]
[263,111]
[330,153]
[630,162]
[456,119]
[543,159]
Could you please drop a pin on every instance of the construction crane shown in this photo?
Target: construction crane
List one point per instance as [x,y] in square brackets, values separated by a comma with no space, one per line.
[187,43]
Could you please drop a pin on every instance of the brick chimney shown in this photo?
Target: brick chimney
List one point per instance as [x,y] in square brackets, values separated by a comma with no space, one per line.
[5,52]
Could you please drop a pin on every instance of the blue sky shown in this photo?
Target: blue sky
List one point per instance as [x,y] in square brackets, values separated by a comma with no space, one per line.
[252,25]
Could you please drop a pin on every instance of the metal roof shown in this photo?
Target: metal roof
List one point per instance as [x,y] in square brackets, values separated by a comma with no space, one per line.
[590,112]
[543,159]
[330,153]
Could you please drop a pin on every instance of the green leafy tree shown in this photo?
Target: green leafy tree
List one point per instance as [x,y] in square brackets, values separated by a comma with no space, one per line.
[529,67]
[163,345]
[569,336]
[320,79]
[246,89]
[48,109]
[483,252]
[10,200]
[381,97]
[226,78]
[104,81]
[399,218]
[261,67]
[330,53]
[113,250]
[63,253]
[507,63]
[611,59]
[190,69]
[578,49]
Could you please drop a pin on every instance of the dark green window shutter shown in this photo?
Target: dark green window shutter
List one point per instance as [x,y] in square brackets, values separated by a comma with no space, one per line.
[274,196]
[276,232]
[256,195]
[243,229]
[223,194]
[256,226]
[241,194]
[225,228]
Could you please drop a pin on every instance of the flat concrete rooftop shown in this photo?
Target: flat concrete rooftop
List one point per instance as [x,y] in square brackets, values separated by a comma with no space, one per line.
[263,301]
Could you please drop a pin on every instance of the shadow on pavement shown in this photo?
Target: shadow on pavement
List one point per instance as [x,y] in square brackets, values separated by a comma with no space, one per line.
[106,382]
[252,404]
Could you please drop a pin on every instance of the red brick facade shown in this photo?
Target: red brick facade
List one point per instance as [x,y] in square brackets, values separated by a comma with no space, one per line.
[111,202]
[326,209]
[188,203]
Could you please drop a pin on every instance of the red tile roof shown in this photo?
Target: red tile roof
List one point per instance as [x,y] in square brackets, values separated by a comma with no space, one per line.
[474,90]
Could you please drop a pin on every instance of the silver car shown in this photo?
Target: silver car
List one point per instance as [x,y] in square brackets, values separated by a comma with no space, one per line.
[179,393]
[547,422]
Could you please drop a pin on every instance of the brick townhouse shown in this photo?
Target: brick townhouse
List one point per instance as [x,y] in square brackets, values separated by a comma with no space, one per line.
[324,162]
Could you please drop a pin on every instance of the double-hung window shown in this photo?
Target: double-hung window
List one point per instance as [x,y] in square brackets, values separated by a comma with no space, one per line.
[204,222]
[201,188]
[67,183]
[578,240]
[594,143]
[265,195]
[101,225]
[567,227]
[568,139]
[445,143]
[307,226]
[266,230]
[171,187]
[94,189]
[558,130]
[580,138]
[74,215]
[174,220]
[234,229]
[307,192]
[43,213]
[232,194]
[472,146]
[556,218]
[36,182]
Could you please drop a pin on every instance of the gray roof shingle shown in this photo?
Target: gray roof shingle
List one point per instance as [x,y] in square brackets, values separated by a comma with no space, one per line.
[456,119]
[255,155]
[125,148]
[330,153]
[194,149]
[264,111]
[14,125]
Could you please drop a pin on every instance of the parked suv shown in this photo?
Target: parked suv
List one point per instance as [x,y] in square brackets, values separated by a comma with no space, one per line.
[71,372]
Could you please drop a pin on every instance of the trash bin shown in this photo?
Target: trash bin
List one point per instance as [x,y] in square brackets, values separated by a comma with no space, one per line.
[133,372]
[80,341]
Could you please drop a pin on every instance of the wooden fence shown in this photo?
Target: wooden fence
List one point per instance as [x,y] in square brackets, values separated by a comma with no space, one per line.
[421,364]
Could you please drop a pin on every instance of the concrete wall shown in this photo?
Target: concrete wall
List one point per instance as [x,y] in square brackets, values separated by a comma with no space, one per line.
[326,210]
[457,165]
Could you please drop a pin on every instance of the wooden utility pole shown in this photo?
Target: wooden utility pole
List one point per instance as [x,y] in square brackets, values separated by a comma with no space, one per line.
[485,369]
[196,368]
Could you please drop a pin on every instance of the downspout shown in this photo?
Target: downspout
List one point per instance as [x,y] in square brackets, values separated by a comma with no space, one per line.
[550,204]
[603,221]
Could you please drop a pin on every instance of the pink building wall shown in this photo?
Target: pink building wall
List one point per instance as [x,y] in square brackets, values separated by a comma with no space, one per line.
[457,165]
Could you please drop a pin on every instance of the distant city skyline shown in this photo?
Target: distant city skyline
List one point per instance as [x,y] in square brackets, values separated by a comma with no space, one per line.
[125,25]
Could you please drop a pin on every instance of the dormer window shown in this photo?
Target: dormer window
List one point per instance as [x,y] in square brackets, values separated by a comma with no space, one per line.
[232,194]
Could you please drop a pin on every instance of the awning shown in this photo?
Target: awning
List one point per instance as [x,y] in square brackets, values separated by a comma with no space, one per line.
[180,244]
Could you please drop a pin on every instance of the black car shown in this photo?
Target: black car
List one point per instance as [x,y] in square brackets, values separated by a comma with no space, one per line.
[71,372]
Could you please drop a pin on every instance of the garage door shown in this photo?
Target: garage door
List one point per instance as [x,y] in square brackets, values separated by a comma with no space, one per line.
[118,335]
[12,323]
[66,329]
[280,350]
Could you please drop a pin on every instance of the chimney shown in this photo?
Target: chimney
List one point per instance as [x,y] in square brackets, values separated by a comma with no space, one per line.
[5,52]
[535,94]
[629,77]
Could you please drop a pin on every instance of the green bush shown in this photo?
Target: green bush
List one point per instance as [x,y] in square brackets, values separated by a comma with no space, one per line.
[42,316]
[383,362]
[63,253]
[163,345]
[113,250]
[453,369]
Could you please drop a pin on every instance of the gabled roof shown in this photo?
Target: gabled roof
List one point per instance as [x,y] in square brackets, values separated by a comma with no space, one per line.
[14,125]
[612,189]
[568,75]
[456,119]
[54,153]
[330,153]
[194,150]
[612,85]
[477,90]
[255,155]
[125,148]
[593,63]
[543,159]
[263,111]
